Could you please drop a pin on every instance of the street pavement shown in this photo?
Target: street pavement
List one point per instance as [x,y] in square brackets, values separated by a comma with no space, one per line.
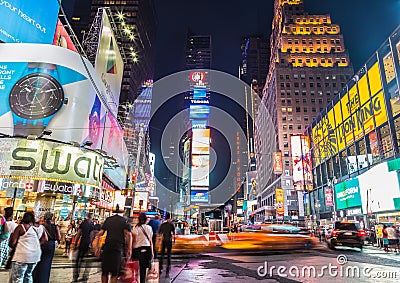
[373,264]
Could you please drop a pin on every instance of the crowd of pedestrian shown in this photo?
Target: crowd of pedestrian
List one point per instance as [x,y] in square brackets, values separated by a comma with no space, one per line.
[27,245]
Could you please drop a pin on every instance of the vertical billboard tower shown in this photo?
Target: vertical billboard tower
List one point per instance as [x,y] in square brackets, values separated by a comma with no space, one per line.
[308,66]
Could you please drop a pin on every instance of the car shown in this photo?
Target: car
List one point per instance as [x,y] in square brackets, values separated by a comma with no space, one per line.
[345,234]
[271,237]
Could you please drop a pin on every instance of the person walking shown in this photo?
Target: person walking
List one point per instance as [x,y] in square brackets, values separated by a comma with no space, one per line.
[385,238]
[142,235]
[41,274]
[167,229]
[8,229]
[155,225]
[69,237]
[26,240]
[82,242]
[119,237]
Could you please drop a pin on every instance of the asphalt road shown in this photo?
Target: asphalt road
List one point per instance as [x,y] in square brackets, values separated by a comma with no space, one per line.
[318,265]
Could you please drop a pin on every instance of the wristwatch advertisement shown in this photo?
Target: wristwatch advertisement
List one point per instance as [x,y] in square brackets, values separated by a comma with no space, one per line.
[35,99]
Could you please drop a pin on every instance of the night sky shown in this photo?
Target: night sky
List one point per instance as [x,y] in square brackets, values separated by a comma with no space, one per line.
[365,24]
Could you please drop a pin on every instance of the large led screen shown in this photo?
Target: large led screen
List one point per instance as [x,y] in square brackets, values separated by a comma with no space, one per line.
[201,141]
[199,111]
[302,163]
[378,193]
[67,103]
[199,196]
[28,21]
[200,170]
[199,93]
[348,194]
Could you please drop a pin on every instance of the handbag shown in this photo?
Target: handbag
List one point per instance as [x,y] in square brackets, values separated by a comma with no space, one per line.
[153,274]
[130,273]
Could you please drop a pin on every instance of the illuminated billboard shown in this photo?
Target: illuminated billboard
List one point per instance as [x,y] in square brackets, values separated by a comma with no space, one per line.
[141,201]
[201,141]
[359,111]
[279,203]
[109,65]
[69,105]
[302,163]
[199,93]
[28,21]
[200,170]
[348,194]
[278,167]
[62,38]
[53,161]
[199,124]
[199,111]
[199,196]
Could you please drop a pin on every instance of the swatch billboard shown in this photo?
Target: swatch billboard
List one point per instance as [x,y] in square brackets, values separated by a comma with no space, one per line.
[50,87]
[28,21]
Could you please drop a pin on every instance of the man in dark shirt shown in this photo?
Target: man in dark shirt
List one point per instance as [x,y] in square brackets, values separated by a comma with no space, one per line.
[118,237]
[155,224]
[82,239]
[167,229]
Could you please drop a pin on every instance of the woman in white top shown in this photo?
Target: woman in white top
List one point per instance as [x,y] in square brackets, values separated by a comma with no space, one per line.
[9,227]
[26,240]
[142,245]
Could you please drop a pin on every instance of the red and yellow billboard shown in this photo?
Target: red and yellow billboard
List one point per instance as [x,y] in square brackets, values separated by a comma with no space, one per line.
[302,163]
[279,203]
[278,167]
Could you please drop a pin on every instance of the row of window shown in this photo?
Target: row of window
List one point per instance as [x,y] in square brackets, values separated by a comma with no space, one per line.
[314,60]
[304,92]
[342,78]
[296,84]
[298,118]
[298,109]
[311,41]
[297,101]
[311,20]
[310,49]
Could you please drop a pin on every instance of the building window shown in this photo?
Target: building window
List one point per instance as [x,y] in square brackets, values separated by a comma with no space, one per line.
[298,118]
[287,163]
[313,109]
[296,84]
[283,101]
[285,144]
[288,85]
[290,118]
[290,127]
[296,76]
[296,92]
[298,109]
[297,100]
[282,92]
[313,100]
[283,109]
[304,92]
[305,110]
[289,102]
[311,84]
[288,92]
[320,101]
[287,77]
[299,127]
[284,127]
[283,118]
[286,154]
[306,118]
[304,100]
[318,84]
[289,109]
[282,85]
[285,135]
[281,77]
[312,92]
[303,76]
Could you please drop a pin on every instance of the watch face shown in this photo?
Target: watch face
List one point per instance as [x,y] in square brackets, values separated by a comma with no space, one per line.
[36,96]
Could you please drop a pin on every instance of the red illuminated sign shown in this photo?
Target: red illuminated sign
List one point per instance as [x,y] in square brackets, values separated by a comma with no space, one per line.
[196,77]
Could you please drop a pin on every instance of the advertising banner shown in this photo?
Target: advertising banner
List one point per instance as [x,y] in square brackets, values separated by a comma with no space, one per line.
[141,201]
[28,21]
[328,197]
[109,65]
[199,196]
[302,163]
[379,189]
[278,167]
[279,204]
[199,111]
[251,183]
[348,194]
[360,109]
[200,170]
[39,159]
[68,103]
[62,39]
[201,141]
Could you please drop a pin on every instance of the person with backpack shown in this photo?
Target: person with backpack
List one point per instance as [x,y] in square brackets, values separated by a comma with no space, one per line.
[5,232]
[26,240]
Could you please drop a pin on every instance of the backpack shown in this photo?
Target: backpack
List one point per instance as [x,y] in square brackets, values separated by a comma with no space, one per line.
[3,234]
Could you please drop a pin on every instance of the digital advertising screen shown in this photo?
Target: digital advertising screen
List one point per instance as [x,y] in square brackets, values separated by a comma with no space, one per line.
[199,111]
[201,141]
[199,93]
[28,21]
[200,170]
[302,163]
[199,196]
[348,194]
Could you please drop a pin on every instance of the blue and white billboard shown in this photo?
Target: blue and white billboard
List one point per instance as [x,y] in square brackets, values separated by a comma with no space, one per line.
[199,111]
[199,196]
[199,93]
[28,21]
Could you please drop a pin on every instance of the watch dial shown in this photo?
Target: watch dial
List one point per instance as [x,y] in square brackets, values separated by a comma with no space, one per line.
[36,96]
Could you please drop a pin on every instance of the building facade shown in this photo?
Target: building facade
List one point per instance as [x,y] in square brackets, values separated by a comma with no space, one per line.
[308,64]
[355,145]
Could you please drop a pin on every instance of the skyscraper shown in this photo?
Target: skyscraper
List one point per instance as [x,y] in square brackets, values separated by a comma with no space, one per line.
[198,51]
[309,65]
[254,64]
[136,22]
